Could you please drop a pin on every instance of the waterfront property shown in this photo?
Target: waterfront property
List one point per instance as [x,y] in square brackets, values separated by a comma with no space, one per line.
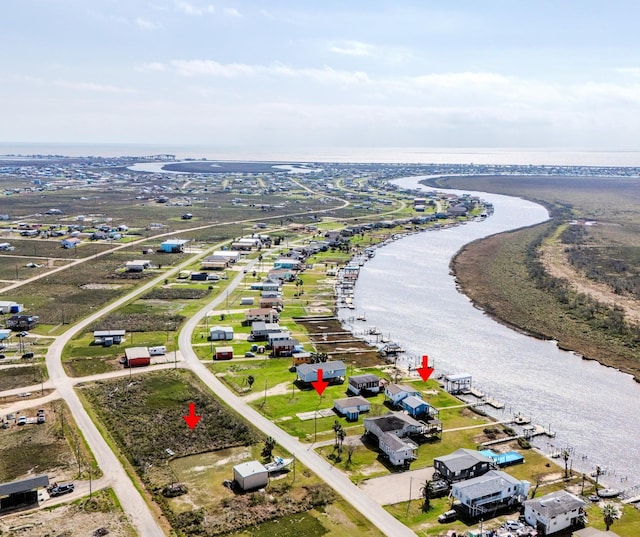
[366,383]
[462,464]
[393,432]
[489,492]
[395,393]
[555,512]
[456,384]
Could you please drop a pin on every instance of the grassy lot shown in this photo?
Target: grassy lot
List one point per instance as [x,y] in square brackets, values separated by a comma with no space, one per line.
[16,377]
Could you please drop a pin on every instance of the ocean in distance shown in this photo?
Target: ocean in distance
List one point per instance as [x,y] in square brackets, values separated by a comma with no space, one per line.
[385,155]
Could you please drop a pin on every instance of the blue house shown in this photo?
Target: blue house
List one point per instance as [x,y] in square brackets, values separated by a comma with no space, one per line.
[173,245]
[415,406]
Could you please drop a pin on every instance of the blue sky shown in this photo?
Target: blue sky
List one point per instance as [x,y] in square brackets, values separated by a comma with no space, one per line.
[303,74]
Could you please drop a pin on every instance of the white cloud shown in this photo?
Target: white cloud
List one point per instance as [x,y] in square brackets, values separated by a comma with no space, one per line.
[191,9]
[232,12]
[352,48]
[153,66]
[92,87]
[633,71]
[146,24]
[212,68]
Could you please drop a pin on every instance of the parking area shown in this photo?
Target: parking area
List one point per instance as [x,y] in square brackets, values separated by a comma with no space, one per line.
[397,488]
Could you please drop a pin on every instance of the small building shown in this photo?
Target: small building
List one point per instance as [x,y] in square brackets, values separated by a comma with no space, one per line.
[554,512]
[332,371]
[5,334]
[70,242]
[22,322]
[485,494]
[462,464]
[287,263]
[250,475]
[137,357]
[455,384]
[22,491]
[351,407]
[218,333]
[223,353]
[108,337]
[173,246]
[7,306]
[137,265]
[230,256]
[366,383]
[397,392]
[247,301]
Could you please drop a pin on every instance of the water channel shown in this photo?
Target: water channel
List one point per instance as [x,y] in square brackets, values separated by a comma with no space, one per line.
[408,293]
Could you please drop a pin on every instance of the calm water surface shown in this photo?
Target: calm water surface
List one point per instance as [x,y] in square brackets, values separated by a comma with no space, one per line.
[408,293]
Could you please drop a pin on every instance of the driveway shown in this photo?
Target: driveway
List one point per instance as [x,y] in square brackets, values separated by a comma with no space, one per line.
[397,488]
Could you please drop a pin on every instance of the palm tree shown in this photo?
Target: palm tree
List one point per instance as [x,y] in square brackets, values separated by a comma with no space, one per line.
[269,445]
[337,427]
[610,513]
[565,454]
[250,380]
[426,491]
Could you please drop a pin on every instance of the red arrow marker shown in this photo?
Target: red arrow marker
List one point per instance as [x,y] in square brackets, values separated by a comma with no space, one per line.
[425,371]
[192,420]
[320,384]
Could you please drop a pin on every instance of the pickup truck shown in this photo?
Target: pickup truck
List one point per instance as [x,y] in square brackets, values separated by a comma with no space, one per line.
[59,490]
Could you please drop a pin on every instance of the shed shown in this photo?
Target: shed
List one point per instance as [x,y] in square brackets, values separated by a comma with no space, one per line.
[137,356]
[23,491]
[173,245]
[137,265]
[108,337]
[223,353]
[217,333]
[250,475]
[7,306]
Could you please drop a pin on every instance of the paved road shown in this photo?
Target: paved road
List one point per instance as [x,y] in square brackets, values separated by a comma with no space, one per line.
[369,508]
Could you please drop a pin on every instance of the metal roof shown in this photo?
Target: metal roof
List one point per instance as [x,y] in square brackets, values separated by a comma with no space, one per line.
[24,485]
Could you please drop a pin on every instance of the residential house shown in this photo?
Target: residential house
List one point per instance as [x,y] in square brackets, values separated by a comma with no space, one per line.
[554,512]
[108,337]
[272,302]
[287,263]
[70,242]
[280,335]
[260,314]
[282,275]
[393,431]
[137,265]
[462,464]
[487,493]
[351,407]
[415,406]
[332,371]
[366,383]
[397,392]
[260,330]
[283,347]
[22,322]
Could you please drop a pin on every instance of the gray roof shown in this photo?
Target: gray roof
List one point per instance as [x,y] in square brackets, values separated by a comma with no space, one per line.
[337,365]
[350,402]
[555,503]
[24,485]
[462,458]
[393,442]
[486,485]
[367,377]
[394,421]
[397,388]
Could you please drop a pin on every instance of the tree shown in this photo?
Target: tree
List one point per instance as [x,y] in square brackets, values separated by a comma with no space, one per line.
[269,445]
[250,380]
[610,513]
[341,436]
[427,492]
[337,427]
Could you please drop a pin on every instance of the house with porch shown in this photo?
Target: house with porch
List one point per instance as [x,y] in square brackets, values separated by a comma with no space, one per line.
[462,464]
[555,512]
[395,393]
[489,492]
[363,384]
[393,431]
[267,315]
[260,330]
[22,322]
[415,406]
[283,347]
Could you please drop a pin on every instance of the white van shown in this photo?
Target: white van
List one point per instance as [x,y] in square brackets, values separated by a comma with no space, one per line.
[157,351]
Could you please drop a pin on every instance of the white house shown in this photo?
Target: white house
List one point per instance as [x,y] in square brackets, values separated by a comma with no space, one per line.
[397,392]
[250,475]
[392,431]
[493,490]
[554,512]
[399,450]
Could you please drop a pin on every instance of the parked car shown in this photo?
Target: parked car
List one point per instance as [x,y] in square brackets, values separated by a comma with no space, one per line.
[59,490]
[249,354]
[28,355]
[448,516]
[2,356]
[22,420]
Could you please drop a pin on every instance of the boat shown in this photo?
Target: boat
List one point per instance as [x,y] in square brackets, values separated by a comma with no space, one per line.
[277,465]
[608,493]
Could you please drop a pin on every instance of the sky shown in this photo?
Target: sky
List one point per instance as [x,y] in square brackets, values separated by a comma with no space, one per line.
[337,73]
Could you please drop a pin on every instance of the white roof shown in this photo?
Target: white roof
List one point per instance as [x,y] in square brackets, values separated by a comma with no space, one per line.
[249,468]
